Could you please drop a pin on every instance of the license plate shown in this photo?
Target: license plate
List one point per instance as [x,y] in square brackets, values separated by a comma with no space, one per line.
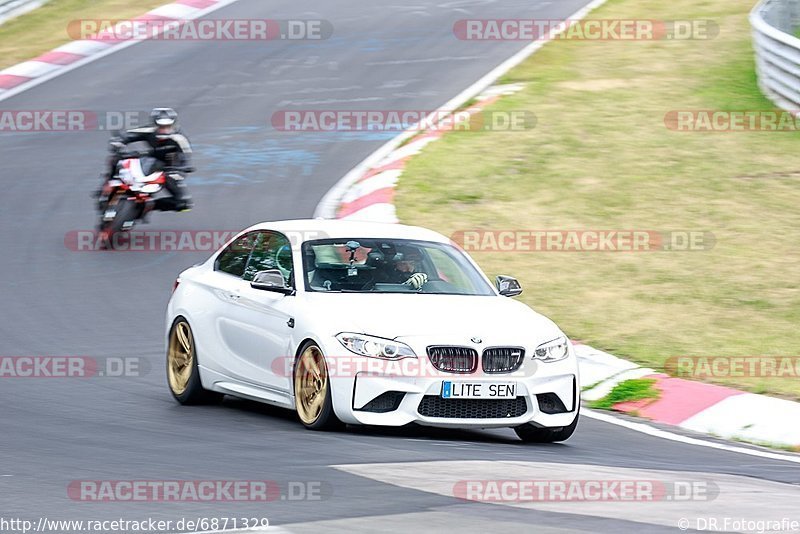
[479,390]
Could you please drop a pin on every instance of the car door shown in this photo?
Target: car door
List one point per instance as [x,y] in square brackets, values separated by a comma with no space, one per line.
[258,329]
[223,288]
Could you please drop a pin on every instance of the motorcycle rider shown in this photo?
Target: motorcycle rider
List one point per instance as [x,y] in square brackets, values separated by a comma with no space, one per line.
[168,145]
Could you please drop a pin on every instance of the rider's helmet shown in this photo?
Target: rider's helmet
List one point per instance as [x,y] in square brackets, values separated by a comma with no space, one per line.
[164,119]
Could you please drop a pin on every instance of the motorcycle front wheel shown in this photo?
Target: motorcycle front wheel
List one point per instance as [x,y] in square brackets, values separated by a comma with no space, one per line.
[127,211]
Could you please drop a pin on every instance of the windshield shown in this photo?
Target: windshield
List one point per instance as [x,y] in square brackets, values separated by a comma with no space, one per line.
[390,266]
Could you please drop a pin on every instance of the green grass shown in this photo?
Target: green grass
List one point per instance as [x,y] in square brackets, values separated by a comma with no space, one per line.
[769,445]
[45,28]
[627,391]
[601,157]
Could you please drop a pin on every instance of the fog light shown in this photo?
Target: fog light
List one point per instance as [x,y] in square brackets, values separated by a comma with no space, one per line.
[549,403]
[385,402]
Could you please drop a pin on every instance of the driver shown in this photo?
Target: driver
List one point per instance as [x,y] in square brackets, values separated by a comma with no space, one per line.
[406,268]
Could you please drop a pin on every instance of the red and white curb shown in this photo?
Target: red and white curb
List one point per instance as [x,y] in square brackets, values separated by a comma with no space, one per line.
[367,194]
[23,76]
[698,406]
[371,196]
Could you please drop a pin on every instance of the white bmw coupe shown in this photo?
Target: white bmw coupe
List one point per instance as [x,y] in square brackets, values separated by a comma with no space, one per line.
[368,324]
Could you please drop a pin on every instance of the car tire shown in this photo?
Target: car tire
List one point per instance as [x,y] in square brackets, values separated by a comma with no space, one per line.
[183,375]
[529,433]
[312,390]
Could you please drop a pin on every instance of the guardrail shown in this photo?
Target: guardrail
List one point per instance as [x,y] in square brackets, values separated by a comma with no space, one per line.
[777,50]
[12,8]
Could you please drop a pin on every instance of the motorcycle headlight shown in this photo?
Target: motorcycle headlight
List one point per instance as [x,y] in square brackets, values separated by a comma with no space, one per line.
[375,347]
[552,351]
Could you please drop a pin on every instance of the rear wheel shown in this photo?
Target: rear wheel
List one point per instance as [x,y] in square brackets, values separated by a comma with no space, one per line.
[183,375]
[312,390]
[533,434]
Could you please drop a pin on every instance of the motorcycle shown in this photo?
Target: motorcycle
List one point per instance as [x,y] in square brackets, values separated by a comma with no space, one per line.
[133,192]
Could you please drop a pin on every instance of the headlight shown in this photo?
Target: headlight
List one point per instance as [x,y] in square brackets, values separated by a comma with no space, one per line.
[552,351]
[375,347]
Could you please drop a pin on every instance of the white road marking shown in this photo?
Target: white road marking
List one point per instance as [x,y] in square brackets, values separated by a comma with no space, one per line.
[422,60]
[30,69]
[667,503]
[657,432]
[83,47]
[380,211]
[173,11]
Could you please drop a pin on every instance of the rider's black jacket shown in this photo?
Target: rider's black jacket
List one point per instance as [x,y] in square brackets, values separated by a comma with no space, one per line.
[173,149]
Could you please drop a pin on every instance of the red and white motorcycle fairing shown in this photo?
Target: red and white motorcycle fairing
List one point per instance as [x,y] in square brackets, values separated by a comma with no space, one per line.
[131,174]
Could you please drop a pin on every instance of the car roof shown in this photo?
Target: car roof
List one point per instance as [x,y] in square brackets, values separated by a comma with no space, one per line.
[302,230]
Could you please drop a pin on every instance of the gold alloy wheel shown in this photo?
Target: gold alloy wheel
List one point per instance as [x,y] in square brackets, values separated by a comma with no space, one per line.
[180,357]
[310,384]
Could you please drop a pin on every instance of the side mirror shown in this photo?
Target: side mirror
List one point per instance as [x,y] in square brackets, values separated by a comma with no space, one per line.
[271,280]
[508,286]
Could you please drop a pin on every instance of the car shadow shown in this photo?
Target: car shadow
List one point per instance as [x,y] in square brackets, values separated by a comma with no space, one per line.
[410,431]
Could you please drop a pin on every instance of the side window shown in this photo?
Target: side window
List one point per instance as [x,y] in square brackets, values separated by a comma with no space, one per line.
[234,258]
[272,251]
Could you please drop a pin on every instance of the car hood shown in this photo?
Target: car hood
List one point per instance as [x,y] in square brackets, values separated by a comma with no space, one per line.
[404,315]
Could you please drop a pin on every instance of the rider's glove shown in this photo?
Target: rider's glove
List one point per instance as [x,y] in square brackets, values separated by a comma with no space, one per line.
[417,280]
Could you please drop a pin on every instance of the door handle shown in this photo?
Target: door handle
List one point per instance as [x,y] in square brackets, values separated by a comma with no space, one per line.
[234,296]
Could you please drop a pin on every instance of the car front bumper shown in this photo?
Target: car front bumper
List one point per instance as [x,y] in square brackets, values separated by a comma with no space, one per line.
[422,402]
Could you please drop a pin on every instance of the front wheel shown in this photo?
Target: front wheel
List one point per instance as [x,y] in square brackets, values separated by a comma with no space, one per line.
[534,434]
[127,212]
[312,390]
[183,375]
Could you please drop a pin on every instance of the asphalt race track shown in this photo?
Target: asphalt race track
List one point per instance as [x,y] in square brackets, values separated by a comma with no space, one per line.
[59,302]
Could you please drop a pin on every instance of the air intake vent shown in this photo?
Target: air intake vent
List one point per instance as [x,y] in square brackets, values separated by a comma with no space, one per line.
[435,406]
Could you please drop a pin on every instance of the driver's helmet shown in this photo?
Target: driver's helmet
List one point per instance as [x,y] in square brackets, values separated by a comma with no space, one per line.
[164,119]
[408,260]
